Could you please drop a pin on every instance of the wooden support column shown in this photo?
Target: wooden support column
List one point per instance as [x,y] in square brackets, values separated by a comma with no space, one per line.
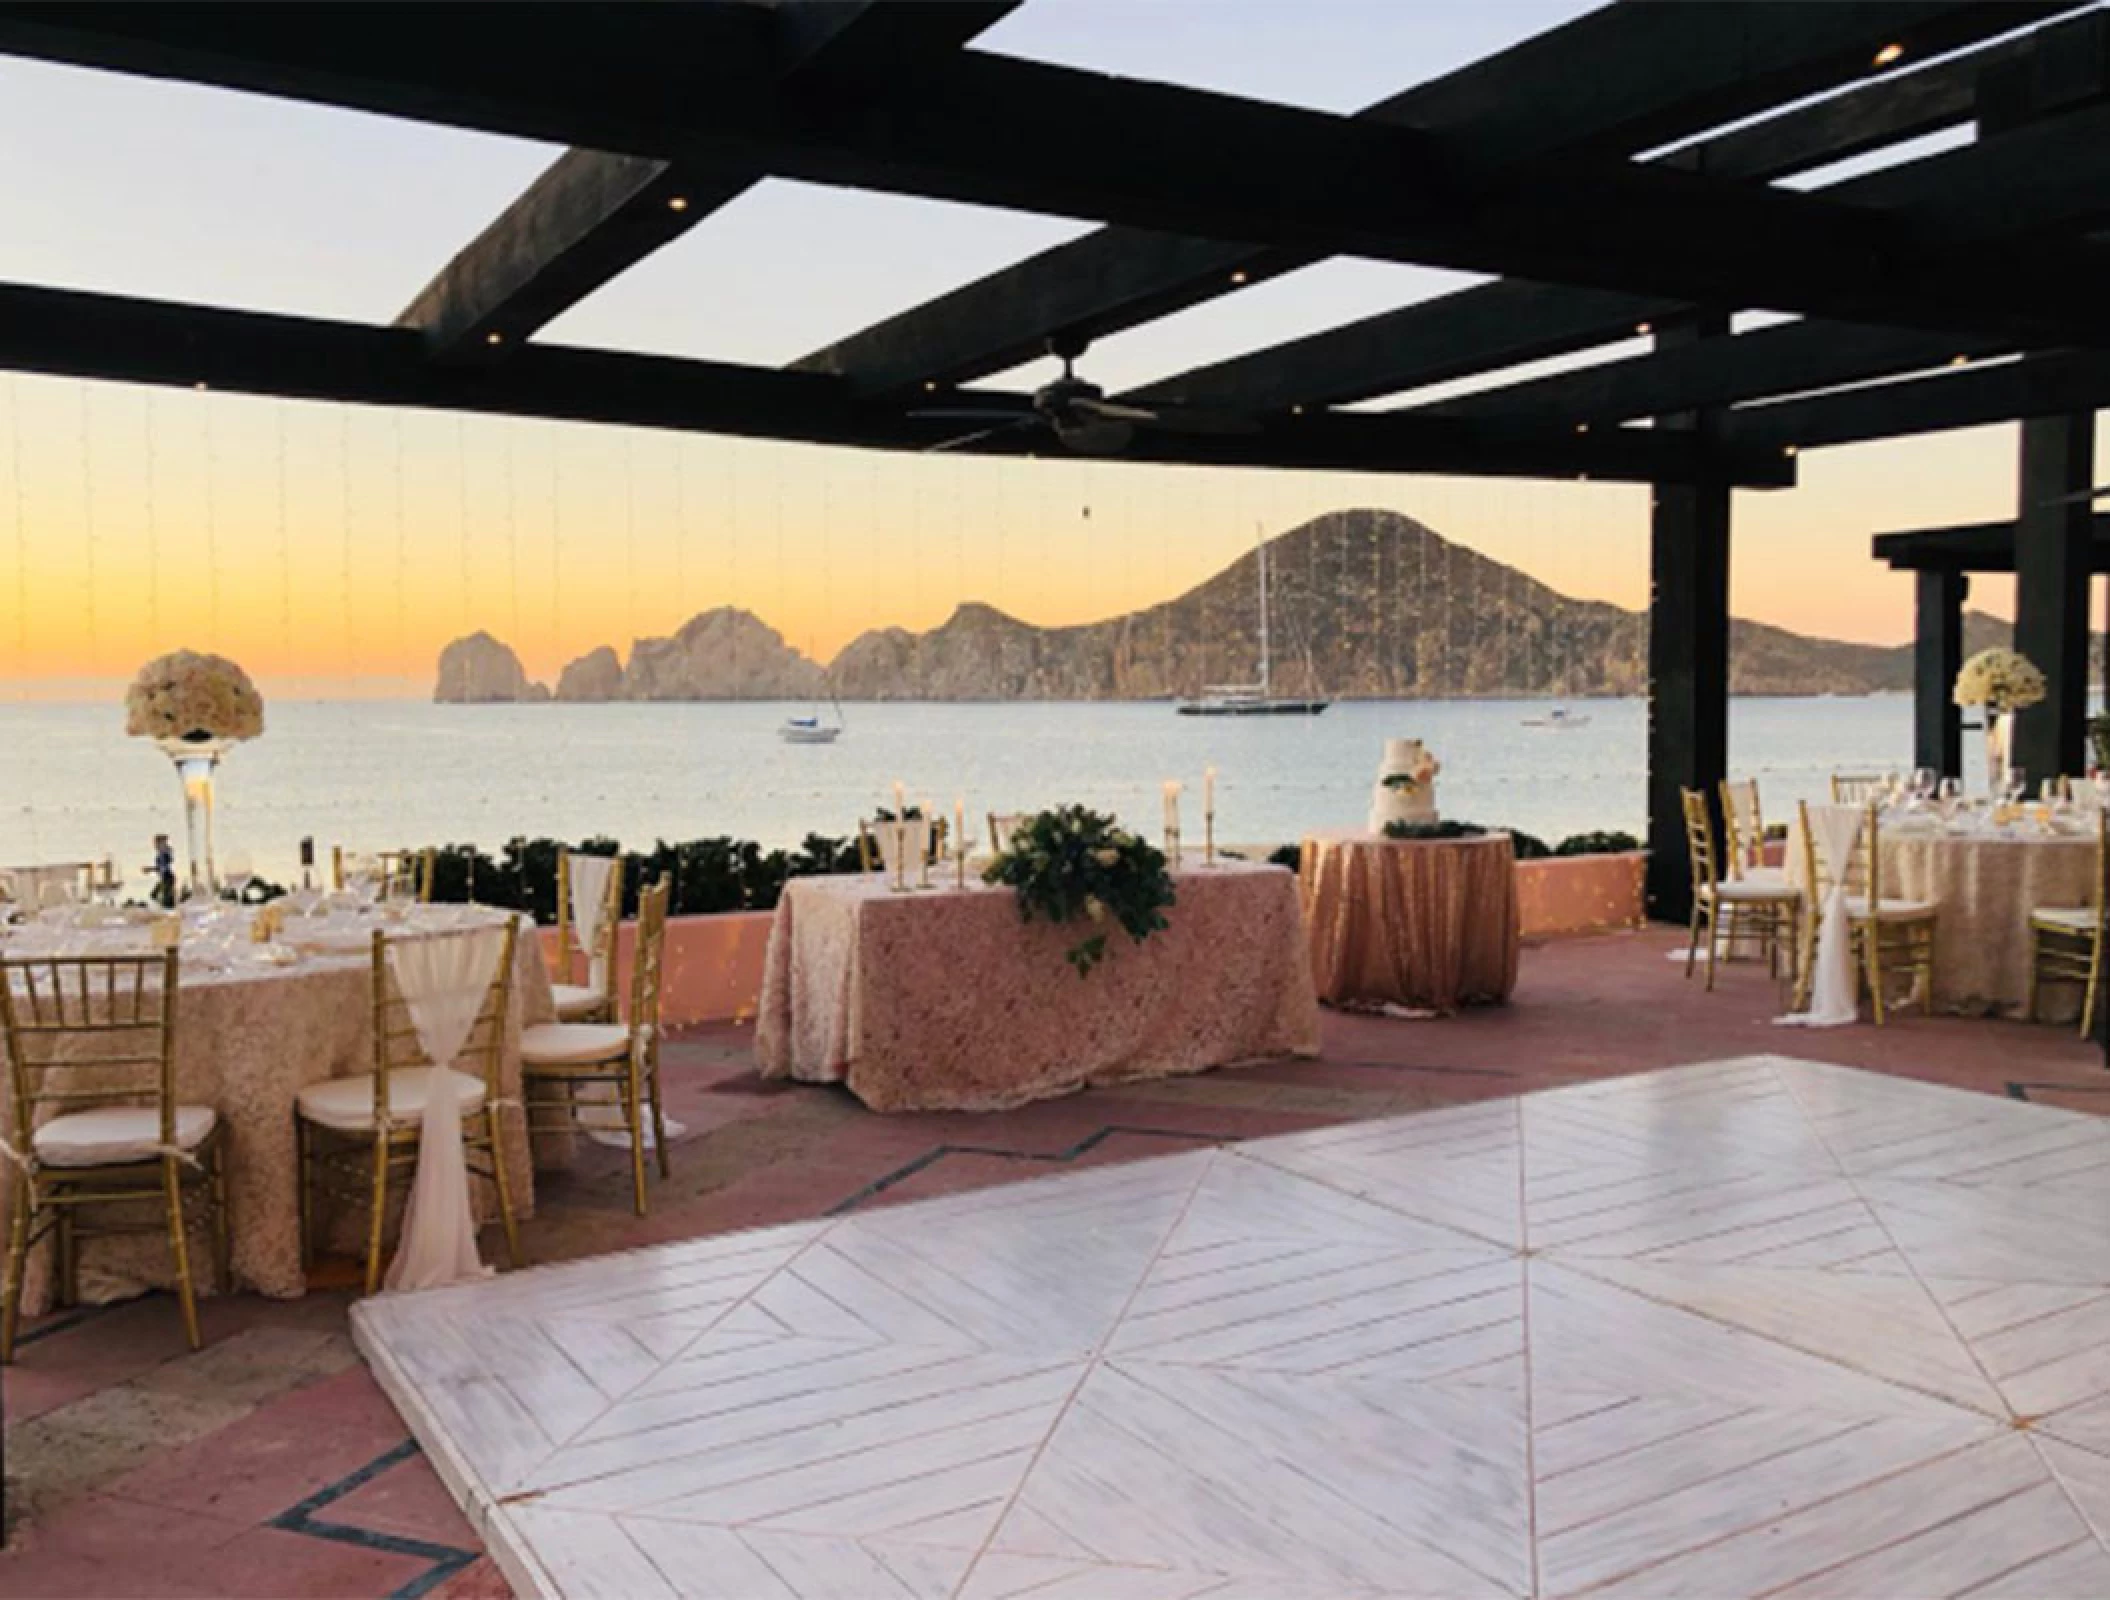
[1937,656]
[2053,529]
[1688,650]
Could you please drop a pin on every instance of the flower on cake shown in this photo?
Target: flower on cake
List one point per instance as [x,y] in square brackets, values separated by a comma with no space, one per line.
[2000,680]
[193,697]
[1414,778]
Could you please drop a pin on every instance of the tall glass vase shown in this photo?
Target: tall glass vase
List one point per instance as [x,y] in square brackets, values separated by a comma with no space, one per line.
[196,761]
[1999,750]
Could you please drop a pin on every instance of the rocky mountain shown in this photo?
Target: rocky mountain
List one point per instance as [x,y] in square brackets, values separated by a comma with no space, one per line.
[1363,603]
[479,670]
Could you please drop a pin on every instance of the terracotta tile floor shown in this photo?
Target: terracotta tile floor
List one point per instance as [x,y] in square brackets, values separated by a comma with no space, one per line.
[270,1463]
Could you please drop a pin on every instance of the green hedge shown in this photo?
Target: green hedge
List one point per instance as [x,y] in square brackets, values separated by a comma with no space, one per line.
[709,875]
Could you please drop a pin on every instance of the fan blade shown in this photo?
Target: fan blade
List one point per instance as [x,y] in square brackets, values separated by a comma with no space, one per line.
[1172,419]
[2100,492]
[972,414]
[1015,424]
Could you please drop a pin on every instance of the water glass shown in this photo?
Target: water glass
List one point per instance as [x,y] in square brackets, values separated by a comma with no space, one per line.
[237,872]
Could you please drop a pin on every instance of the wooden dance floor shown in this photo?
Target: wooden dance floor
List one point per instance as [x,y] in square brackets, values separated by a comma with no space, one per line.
[1758,1327]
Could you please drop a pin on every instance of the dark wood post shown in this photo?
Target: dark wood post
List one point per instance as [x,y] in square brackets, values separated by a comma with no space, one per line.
[2053,529]
[1937,654]
[1688,651]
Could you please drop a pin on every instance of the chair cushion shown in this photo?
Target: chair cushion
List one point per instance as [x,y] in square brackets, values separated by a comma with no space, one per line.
[576,1000]
[347,1104]
[1888,910]
[2067,919]
[1751,891]
[111,1136]
[572,1044]
[1777,877]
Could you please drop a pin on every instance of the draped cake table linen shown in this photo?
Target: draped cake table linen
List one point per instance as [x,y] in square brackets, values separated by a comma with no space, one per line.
[946,1000]
[1428,924]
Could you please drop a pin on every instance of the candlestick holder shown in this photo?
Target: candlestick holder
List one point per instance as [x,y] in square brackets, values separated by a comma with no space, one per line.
[1172,844]
[923,853]
[1208,838]
[898,830]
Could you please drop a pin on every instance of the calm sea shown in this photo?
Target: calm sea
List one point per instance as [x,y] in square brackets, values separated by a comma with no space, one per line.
[375,773]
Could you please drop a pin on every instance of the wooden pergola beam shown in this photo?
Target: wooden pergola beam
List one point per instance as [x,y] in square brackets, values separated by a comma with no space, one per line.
[1972,397]
[124,339]
[2033,179]
[1969,547]
[593,214]
[1215,165]
[1600,85]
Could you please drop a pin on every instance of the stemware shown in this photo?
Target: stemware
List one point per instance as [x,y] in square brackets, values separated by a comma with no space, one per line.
[237,872]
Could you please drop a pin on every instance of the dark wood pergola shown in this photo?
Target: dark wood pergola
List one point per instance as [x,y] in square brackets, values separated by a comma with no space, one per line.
[1617,175]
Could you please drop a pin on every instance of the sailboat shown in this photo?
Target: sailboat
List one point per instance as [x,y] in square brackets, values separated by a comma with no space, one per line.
[1252,699]
[811,730]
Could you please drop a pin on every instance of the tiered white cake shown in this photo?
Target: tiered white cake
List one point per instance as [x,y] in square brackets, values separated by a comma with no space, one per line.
[1406,785]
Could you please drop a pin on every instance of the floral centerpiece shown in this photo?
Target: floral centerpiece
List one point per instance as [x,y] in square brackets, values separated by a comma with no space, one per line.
[194,706]
[2003,682]
[1072,864]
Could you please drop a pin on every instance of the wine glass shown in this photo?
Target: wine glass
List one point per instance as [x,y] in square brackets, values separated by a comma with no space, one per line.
[362,875]
[1923,782]
[237,871]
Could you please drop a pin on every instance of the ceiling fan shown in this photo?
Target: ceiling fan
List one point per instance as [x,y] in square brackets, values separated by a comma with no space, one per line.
[2100,492]
[1077,412]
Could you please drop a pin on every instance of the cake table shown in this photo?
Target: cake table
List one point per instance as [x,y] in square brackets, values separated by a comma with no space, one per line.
[1428,924]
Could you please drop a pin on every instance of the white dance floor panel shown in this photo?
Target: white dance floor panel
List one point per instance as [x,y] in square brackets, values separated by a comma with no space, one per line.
[1758,1327]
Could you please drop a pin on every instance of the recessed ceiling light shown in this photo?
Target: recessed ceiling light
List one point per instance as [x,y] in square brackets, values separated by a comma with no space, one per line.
[930,385]
[1959,361]
[199,385]
[1296,411]
[679,202]
[1239,276]
[1642,327]
[1582,427]
[494,337]
[1890,54]
[1787,450]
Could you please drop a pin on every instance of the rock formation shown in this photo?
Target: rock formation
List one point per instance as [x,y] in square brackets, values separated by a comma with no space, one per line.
[480,670]
[597,675]
[721,654]
[1363,603]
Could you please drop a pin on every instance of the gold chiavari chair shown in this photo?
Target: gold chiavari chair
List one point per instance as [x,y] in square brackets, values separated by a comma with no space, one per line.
[591,1001]
[2066,942]
[871,855]
[91,1052]
[1001,824]
[1857,788]
[558,1059]
[357,1134]
[1744,823]
[1732,908]
[1889,934]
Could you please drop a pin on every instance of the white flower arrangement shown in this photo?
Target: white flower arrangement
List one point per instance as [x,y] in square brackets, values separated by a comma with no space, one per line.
[2000,680]
[193,697]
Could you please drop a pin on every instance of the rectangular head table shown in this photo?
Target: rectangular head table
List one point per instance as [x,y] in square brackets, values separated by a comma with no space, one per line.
[946,1000]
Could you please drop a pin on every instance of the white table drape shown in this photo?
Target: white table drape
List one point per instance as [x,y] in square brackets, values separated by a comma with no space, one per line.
[1834,995]
[443,982]
[588,886]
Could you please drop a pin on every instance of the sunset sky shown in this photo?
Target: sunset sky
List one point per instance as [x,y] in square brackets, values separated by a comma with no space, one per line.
[334,549]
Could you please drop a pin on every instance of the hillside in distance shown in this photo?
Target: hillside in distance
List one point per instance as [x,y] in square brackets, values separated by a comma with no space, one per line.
[1364,604]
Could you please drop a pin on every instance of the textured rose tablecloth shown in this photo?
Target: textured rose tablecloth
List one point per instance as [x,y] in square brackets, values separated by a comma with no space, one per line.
[1426,923]
[246,1046]
[1986,887]
[945,1000]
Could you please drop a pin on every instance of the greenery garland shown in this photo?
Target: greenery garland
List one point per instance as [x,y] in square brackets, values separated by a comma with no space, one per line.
[1071,864]
[1433,830]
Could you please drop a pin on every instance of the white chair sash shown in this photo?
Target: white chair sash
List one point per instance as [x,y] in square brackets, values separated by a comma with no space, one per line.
[443,981]
[1834,995]
[588,887]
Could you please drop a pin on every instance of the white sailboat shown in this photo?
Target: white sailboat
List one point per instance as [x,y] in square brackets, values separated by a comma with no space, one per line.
[811,730]
[1252,699]
[1558,720]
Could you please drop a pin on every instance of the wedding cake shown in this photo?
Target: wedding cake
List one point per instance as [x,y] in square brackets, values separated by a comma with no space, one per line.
[1406,785]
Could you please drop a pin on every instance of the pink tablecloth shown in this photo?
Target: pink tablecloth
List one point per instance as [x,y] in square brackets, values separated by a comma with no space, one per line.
[1425,923]
[946,1000]
[246,1046]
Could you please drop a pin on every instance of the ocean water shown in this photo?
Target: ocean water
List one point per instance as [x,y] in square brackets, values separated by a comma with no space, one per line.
[378,773]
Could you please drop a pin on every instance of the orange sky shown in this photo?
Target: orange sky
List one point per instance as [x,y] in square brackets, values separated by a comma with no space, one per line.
[335,550]
[343,546]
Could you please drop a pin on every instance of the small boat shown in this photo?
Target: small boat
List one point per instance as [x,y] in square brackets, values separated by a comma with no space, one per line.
[1559,719]
[1252,699]
[811,730]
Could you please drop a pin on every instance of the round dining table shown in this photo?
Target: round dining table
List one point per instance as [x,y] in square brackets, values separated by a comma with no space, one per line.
[1410,924]
[256,1023]
[1985,884]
